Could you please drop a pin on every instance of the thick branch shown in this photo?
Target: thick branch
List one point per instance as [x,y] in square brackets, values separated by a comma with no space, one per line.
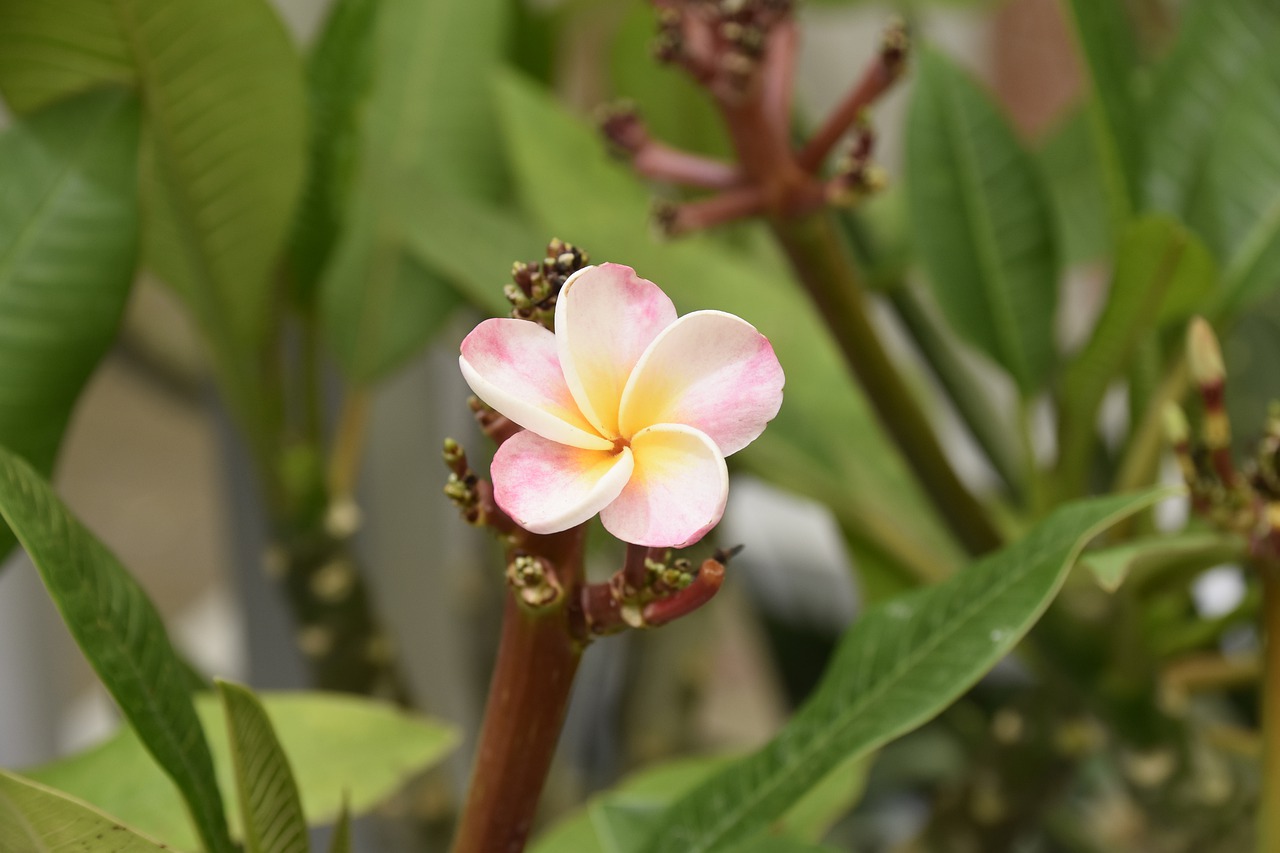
[528,694]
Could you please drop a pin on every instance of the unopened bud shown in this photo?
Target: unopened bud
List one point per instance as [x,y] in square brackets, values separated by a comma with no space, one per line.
[1204,356]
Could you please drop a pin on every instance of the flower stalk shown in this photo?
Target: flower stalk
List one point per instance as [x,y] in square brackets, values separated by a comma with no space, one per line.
[743,54]
[528,697]
[602,402]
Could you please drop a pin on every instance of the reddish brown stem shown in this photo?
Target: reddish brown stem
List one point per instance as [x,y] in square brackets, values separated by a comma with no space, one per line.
[876,80]
[699,215]
[494,425]
[528,694]
[489,514]
[664,163]
[703,589]
[779,72]
[635,573]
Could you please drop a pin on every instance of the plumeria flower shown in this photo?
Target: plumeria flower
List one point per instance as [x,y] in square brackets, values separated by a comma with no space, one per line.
[627,411]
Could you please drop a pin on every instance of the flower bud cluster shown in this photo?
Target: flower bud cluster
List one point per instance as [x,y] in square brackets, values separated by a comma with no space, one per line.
[536,285]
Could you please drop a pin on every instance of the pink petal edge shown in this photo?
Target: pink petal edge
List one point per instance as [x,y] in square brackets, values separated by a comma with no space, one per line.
[547,487]
[513,366]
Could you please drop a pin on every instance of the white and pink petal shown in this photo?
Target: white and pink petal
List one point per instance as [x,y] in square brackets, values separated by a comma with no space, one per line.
[710,370]
[514,366]
[547,487]
[606,316]
[677,490]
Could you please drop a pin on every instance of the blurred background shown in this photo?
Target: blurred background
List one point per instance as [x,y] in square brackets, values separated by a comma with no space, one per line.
[153,465]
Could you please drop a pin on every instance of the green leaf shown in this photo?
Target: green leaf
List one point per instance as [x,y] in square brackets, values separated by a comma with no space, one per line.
[982,222]
[471,244]
[340,842]
[339,77]
[1106,40]
[825,442]
[899,665]
[121,635]
[1155,555]
[770,844]
[340,747]
[620,819]
[1163,273]
[36,819]
[1220,44]
[1239,203]
[429,126]
[270,810]
[50,51]
[68,243]
[223,165]
[1068,158]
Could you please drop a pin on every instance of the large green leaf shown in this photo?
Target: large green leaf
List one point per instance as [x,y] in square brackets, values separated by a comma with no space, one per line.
[338,745]
[622,818]
[982,223]
[49,51]
[1068,158]
[36,819]
[222,91]
[1106,40]
[225,106]
[1238,206]
[121,635]
[339,76]
[825,442]
[429,125]
[899,665]
[68,241]
[1221,43]
[1163,273]
[471,244]
[270,810]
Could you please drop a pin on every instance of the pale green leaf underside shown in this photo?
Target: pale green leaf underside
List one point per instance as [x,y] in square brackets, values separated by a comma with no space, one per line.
[121,634]
[270,810]
[337,746]
[899,665]
[36,819]
[982,223]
